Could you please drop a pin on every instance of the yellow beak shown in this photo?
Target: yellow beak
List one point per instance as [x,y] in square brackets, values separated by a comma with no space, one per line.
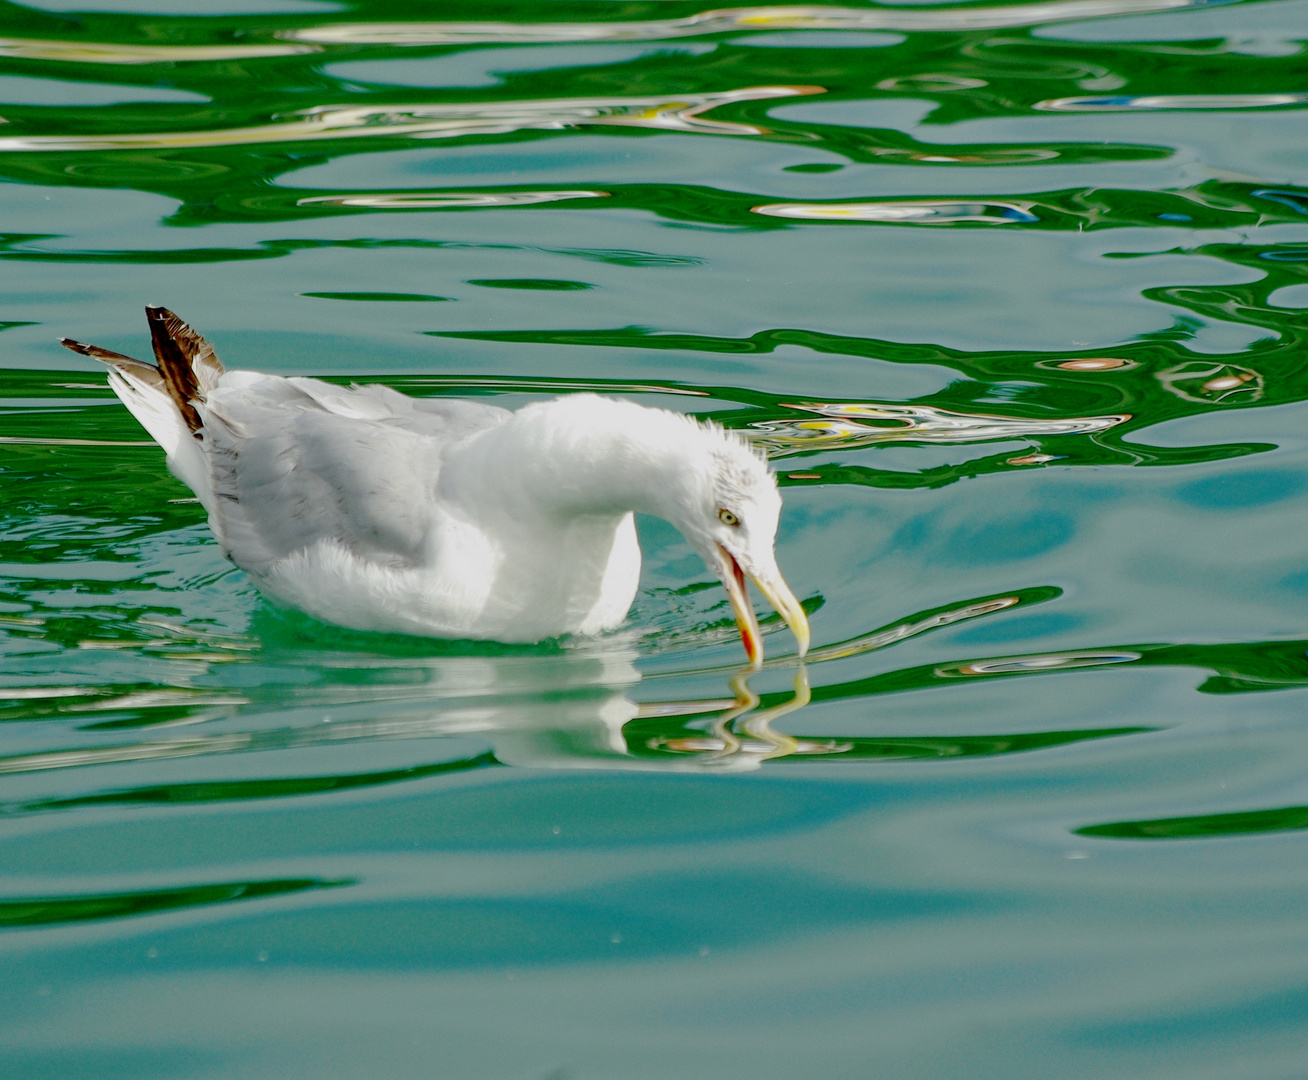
[777,593]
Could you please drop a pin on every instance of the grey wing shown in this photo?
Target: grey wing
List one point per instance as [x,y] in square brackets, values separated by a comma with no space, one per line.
[454,418]
[295,461]
[447,419]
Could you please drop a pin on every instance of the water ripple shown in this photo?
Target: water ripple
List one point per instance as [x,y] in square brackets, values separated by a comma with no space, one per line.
[1157,102]
[1213,382]
[725,20]
[668,113]
[916,212]
[445,200]
[105,52]
[1026,665]
[843,426]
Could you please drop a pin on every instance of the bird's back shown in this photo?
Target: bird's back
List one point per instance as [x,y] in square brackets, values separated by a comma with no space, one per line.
[294,462]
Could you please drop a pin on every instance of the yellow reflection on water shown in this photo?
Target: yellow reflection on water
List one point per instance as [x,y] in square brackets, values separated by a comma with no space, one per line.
[905,212]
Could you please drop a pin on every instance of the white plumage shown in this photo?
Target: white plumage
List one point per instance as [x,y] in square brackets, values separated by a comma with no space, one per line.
[443,517]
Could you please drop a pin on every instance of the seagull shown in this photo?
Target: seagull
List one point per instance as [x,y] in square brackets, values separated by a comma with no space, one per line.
[444,517]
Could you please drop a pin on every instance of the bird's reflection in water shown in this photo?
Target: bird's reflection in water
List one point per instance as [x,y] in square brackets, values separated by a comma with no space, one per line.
[723,745]
[586,725]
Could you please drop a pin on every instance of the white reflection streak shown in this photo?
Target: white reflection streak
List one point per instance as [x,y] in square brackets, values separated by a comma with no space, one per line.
[668,113]
[103,52]
[455,721]
[446,200]
[1170,102]
[1025,665]
[901,631]
[154,699]
[917,212]
[41,693]
[727,20]
[911,423]
[107,755]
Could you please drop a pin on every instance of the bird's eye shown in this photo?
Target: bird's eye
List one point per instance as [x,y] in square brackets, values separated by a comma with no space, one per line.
[727,517]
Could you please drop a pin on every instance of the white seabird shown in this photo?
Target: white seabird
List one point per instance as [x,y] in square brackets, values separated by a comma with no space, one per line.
[449,518]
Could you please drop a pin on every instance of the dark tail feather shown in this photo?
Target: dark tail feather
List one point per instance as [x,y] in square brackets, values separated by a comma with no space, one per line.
[147,373]
[188,368]
[197,351]
[174,346]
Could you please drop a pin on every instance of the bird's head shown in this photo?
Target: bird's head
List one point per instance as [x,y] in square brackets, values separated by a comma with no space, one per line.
[619,456]
[729,515]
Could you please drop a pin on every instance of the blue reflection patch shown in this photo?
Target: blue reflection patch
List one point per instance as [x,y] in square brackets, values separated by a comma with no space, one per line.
[666,914]
[1006,539]
[1244,489]
[1295,200]
[1295,583]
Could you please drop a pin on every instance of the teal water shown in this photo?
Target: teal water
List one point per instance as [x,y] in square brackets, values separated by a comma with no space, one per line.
[1014,294]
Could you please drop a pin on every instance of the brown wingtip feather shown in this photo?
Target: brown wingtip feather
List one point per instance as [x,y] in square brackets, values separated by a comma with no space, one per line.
[184,359]
[147,373]
[83,348]
[198,352]
[188,368]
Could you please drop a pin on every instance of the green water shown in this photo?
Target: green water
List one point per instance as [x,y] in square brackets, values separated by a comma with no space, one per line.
[1017,297]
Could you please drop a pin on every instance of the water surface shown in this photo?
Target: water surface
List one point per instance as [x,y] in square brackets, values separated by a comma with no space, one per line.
[1015,297]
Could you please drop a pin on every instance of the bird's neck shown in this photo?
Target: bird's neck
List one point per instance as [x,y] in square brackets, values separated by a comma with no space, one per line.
[583,456]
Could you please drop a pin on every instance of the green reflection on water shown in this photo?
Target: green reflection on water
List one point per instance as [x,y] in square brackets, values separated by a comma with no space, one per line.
[1285,819]
[237,790]
[381,297]
[1244,823]
[43,911]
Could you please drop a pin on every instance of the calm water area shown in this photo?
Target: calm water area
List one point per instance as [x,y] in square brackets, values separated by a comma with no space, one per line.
[1015,296]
